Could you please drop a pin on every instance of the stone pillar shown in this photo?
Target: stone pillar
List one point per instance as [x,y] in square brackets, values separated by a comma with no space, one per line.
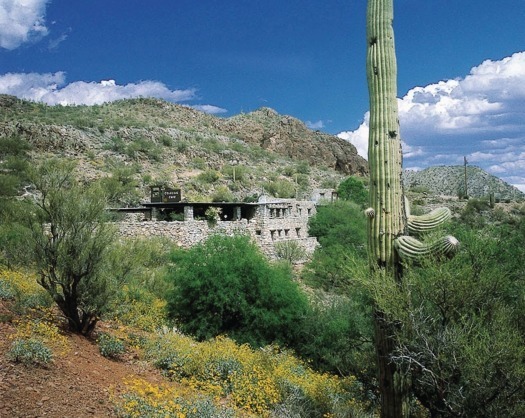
[188,213]
[237,213]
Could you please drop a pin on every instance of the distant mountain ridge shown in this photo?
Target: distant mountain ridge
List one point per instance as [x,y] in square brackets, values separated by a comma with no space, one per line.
[280,134]
[450,181]
[134,144]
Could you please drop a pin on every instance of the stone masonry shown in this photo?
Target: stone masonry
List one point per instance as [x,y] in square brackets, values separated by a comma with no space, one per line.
[271,221]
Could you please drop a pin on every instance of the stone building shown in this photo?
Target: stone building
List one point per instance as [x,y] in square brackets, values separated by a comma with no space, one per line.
[267,221]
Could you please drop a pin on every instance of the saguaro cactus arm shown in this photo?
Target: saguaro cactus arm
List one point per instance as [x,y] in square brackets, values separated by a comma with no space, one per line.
[411,250]
[418,225]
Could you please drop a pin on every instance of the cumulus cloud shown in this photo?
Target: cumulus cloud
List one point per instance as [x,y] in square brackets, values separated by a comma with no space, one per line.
[52,89]
[480,115]
[359,137]
[315,125]
[21,22]
[214,110]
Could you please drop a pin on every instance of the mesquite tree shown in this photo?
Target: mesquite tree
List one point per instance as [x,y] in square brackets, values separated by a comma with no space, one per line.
[389,245]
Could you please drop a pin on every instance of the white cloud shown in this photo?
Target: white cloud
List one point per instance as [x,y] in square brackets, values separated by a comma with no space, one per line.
[21,21]
[359,137]
[315,125]
[54,43]
[52,89]
[214,110]
[481,116]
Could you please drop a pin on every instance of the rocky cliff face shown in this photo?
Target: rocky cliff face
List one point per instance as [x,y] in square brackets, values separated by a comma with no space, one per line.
[53,126]
[288,136]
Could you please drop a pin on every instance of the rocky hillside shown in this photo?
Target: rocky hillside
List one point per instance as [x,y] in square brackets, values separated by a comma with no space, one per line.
[156,142]
[283,135]
[450,181]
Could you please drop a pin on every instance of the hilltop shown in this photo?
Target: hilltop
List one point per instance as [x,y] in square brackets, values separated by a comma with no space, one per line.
[450,181]
[166,143]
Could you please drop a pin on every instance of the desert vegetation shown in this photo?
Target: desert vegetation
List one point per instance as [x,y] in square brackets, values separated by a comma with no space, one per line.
[231,333]
[237,335]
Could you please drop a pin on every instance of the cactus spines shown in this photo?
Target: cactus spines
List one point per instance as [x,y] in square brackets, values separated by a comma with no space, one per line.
[411,250]
[384,143]
[418,225]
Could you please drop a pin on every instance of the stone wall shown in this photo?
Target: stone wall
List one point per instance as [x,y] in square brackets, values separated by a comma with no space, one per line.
[274,222]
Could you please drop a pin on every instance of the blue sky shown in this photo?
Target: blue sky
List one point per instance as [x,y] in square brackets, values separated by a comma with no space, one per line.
[461,65]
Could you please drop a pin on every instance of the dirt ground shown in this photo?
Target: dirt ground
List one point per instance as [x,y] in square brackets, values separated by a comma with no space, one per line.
[76,385]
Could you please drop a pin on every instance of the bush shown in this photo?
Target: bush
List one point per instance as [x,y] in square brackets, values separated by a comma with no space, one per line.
[70,242]
[290,251]
[142,399]
[139,308]
[335,268]
[110,346]
[340,223]
[208,176]
[222,194]
[283,189]
[23,289]
[29,352]
[226,286]
[338,335]
[261,382]
[353,189]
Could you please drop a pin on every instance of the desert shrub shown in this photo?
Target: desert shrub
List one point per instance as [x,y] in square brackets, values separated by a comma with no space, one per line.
[259,382]
[182,145]
[121,187]
[70,242]
[40,325]
[212,215]
[208,176]
[13,165]
[334,268]
[303,167]
[236,173]
[473,213]
[29,352]
[340,223]
[226,286]
[199,163]
[24,289]
[337,337]
[139,266]
[290,251]
[143,399]
[139,308]
[353,189]
[166,140]
[116,144]
[329,183]
[280,188]
[222,194]
[110,346]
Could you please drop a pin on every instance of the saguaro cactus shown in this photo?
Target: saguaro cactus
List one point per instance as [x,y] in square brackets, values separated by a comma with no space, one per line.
[389,215]
[389,246]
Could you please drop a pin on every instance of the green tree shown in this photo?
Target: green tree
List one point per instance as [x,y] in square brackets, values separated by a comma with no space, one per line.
[339,223]
[13,177]
[226,286]
[13,165]
[353,189]
[69,241]
[460,334]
